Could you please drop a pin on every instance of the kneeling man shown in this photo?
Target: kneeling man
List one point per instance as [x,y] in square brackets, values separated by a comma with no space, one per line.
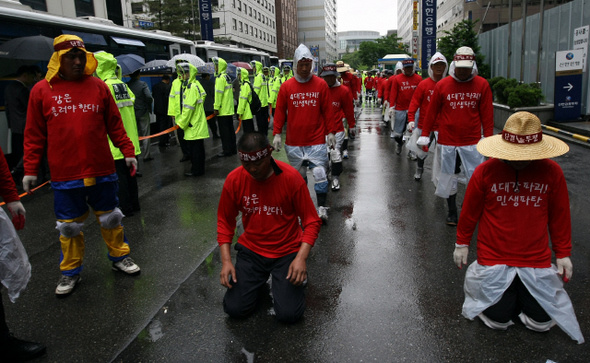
[280,227]
[518,197]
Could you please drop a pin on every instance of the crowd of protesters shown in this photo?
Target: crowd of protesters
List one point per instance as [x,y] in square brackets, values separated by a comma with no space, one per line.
[95,164]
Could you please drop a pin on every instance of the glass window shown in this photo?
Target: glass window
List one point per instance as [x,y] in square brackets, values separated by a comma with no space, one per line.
[216,24]
[35,4]
[136,8]
[84,7]
[250,11]
[241,27]
[239,5]
[246,30]
[234,3]
[234,27]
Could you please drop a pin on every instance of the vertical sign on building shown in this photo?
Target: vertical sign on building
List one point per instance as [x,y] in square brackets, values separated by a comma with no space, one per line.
[415,16]
[428,31]
[415,36]
[581,41]
[315,53]
[568,84]
[206,20]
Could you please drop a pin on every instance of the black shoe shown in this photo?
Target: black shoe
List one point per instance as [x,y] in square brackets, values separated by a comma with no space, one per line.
[185,158]
[216,137]
[452,218]
[223,154]
[16,350]
[192,174]
[138,174]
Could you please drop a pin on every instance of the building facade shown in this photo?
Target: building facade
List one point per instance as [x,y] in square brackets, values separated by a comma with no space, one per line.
[405,21]
[286,14]
[106,9]
[350,41]
[317,27]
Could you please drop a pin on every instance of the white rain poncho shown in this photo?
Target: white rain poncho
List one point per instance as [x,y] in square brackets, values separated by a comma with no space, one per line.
[15,269]
[446,179]
[302,52]
[485,285]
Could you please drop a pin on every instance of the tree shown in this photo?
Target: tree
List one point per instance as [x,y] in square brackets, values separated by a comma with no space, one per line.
[463,35]
[370,52]
[353,60]
[176,16]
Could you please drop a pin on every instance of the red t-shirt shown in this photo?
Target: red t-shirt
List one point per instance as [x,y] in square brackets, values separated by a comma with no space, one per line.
[401,90]
[349,80]
[513,227]
[74,118]
[342,107]
[421,100]
[305,103]
[271,211]
[384,89]
[7,187]
[461,109]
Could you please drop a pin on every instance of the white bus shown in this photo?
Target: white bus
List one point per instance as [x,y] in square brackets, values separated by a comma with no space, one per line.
[230,53]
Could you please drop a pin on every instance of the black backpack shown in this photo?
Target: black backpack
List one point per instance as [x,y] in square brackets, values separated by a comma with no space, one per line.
[255,105]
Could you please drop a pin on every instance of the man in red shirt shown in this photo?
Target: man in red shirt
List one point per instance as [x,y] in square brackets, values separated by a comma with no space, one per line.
[306,99]
[518,197]
[401,90]
[280,227]
[342,117]
[71,114]
[437,70]
[462,107]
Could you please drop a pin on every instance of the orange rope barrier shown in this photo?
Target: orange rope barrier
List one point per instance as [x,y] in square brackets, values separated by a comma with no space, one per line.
[239,125]
[175,127]
[31,192]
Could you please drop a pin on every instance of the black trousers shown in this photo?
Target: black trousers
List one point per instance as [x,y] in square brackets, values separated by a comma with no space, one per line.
[228,134]
[248,125]
[3,327]
[182,142]
[163,122]
[197,153]
[128,190]
[252,271]
[262,120]
[212,124]
[516,299]
[18,151]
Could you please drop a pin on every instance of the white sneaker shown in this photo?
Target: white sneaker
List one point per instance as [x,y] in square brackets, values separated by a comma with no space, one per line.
[391,134]
[345,154]
[66,284]
[335,185]
[418,175]
[323,213]
[126,265]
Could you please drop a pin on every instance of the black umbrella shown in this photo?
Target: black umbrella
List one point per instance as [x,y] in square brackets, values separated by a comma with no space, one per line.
[37,47]
[130,62]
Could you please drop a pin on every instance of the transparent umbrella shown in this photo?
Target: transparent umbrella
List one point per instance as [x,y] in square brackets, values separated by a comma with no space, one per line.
[187,57]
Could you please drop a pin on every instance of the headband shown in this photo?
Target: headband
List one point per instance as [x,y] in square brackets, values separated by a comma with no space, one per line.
[255,155]
[522,139]
[68,44]
[329,68]
[408,61]
[305,60]
[460,57]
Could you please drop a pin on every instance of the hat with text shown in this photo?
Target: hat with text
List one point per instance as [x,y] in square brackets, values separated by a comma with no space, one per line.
[464,58]
[341,67]
[329,69]
[522,139]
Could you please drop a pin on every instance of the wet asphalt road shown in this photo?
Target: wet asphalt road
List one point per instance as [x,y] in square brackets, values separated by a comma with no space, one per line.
[382,284]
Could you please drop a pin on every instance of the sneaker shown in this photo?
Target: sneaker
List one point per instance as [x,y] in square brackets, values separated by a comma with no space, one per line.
[323,213]
[66,284]
[412,156]
[398,149]
[345,154]
[418,175]
[391,134]
[335,185]
[126,265]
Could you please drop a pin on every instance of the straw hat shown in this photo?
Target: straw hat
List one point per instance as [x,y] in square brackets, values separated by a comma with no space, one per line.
[522,139]
[341,67]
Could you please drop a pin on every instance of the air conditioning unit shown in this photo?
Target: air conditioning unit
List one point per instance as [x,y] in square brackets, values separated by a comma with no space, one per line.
[94,19]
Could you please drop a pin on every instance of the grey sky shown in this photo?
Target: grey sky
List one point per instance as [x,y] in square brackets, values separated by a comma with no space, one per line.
[376,15]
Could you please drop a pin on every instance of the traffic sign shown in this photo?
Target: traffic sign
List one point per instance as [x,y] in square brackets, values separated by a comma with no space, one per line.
[568,84]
